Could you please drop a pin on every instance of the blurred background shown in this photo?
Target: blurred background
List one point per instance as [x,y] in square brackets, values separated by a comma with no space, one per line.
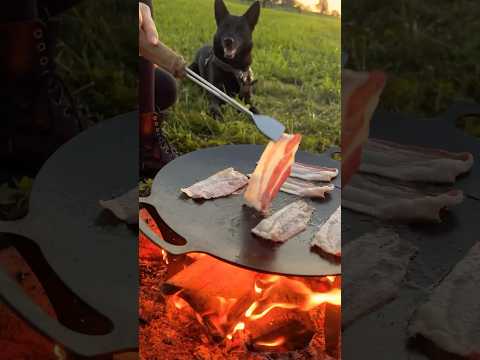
[429,49]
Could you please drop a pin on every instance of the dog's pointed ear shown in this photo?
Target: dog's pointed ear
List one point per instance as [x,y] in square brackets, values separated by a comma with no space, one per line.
[221,11]
[253,14]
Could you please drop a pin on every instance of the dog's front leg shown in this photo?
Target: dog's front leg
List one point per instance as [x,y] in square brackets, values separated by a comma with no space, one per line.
[214,107]
[247,99]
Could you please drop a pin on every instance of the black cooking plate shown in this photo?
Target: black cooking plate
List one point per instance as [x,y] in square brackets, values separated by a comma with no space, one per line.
[222,227]
[93,254]
[441,246]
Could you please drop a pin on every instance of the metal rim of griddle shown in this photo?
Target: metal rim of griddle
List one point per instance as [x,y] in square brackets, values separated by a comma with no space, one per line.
[222,227]
[85,247]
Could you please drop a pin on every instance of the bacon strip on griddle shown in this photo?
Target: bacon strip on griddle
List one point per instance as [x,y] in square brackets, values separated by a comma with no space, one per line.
[451,316]
[413,163]
[223,183]
[124,207]
[377,264]
[360,95]
[285,223]
[306,189]
[313,173]
[391,200]
[272,170]
[329,238]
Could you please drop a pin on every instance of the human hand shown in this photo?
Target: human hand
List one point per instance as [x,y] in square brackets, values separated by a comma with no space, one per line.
[147,31]
[152,49]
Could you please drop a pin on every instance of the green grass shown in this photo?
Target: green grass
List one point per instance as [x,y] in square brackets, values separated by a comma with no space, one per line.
[429,48]
[296,60]
[97,55]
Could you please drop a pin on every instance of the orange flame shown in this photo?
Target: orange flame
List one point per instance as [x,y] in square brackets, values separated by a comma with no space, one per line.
[178,302]
[269,292]
[239,327]
[165,256]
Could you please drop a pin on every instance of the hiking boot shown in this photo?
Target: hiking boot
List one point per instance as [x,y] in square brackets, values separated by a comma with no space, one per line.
[38,113]
[155,150]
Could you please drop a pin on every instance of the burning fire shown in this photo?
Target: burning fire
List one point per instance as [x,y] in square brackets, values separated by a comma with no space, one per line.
[269,292]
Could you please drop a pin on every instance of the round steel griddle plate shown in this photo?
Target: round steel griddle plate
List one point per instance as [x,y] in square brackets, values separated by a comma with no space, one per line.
[94,254]
[222,227]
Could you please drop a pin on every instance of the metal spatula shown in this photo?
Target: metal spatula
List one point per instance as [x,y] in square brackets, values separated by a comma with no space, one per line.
[267,125]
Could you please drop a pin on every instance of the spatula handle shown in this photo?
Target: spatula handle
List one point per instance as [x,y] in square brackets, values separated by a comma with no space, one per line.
[163,56]
[197,79]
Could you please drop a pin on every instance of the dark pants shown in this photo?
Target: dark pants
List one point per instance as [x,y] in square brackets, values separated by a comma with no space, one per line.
[165,90]
[30,9]
[158,88]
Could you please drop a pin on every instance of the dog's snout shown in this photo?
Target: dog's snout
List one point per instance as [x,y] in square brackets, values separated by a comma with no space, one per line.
[228,42]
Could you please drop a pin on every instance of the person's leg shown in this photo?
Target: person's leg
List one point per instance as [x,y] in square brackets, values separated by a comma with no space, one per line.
[157,92]
[38,114]
[18,11]
[55,7]
[165,90]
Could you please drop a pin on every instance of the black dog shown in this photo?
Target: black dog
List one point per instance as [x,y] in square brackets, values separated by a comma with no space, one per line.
[227,64]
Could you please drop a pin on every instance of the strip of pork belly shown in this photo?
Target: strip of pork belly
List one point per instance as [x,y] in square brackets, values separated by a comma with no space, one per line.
[360,96]
[329,237]
[285,223]
[377,264]
[223,183]
[124,207]
[391,200]
[313,173]
[306,189]
[451,316]
[413,163]
[272,170]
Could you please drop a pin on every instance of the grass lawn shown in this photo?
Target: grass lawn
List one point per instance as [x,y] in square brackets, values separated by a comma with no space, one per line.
[296,60]
[429,48]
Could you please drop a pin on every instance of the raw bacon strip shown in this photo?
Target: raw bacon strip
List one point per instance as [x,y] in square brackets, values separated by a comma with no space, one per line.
[328,238]
[397,201]
[306,189]
[413,163]
[223,183]
[377,264]
[124,207]
[360,95]
[272,170]
[451,317]
[313,173]
[285,223]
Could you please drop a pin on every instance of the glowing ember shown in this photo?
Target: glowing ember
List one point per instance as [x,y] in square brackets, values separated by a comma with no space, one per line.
[266,292]
[239,327]
[277,342]
[59,352]
[252,314]
[178,301]
[165,256]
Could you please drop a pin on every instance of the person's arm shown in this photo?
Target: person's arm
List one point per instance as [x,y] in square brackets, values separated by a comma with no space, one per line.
[154,50]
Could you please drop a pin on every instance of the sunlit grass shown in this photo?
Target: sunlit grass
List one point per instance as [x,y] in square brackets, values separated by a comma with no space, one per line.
[296,61]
